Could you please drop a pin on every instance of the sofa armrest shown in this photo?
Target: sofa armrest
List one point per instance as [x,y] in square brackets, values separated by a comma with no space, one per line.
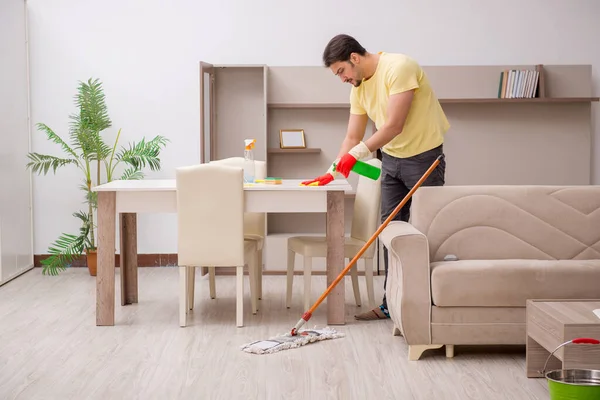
[408,288]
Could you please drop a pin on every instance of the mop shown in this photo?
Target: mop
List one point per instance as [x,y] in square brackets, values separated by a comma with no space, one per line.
[298,337]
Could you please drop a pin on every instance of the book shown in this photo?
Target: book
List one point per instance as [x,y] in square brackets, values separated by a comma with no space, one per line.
[519,84]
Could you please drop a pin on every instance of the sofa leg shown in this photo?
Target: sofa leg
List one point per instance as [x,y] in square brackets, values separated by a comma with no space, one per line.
[416,351]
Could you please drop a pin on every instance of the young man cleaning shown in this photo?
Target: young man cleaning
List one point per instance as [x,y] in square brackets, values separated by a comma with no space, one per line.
[394,92]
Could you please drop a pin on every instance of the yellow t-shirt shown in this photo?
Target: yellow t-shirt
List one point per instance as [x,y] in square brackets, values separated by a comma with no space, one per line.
[425,123]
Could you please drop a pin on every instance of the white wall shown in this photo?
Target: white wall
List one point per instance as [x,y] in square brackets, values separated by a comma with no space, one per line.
[147,54]
[15,183]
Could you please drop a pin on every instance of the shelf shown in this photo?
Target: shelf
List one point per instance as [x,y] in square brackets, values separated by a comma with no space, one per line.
[239,65]
[526,100]
[308,105]
[450,101]
[276,150]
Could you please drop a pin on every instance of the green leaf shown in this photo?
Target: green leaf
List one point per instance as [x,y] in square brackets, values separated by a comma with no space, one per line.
[84,186]
[91,119]
[62,253]
[132,173]
[142,154]
[84,217]
[41,163]
[90,196]
[57,139]
[85,228]
[53,264]
[93,112]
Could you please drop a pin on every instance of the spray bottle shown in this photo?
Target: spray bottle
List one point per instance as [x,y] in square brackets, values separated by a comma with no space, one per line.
[365,169]
[249,170]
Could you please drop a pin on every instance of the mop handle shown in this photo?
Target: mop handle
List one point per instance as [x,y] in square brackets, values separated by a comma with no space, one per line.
[309,313]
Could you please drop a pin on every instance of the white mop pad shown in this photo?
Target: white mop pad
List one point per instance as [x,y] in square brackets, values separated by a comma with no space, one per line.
[287,341]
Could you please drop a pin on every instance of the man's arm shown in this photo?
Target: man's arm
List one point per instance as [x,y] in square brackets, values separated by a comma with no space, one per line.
[397,111]
[357,124]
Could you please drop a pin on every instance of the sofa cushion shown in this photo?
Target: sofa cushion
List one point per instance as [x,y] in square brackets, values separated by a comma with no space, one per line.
[506,283]
[512,221]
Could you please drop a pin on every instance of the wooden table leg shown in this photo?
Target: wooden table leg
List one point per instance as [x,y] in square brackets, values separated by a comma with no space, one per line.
[128,258]
[335,257]
[105,277]
[535,358]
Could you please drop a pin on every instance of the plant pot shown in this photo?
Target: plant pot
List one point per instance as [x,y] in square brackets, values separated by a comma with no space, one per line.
[92,261]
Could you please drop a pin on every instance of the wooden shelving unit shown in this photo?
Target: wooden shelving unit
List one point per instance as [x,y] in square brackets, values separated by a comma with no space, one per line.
[524,100]
[293,151]
[493,100]
[540,140]
[307,105]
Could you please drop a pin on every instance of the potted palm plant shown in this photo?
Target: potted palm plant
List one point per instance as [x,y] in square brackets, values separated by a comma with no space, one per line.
[87,150]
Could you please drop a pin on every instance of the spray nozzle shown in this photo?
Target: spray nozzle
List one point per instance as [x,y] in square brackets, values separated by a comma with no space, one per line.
[249,143]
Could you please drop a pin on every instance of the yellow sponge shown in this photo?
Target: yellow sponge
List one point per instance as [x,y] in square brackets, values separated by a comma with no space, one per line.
[270,181]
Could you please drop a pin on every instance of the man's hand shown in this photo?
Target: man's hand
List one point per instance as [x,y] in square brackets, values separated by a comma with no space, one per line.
[348,160]
[320,181]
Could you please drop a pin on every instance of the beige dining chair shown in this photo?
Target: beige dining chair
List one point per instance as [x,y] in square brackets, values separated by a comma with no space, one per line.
[254,223]
[210,229]
[366,215]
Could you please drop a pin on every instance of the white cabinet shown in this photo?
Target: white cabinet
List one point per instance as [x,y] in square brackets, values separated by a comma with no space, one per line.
[16,253]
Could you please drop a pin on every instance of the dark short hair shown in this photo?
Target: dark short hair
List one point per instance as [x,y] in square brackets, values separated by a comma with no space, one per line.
[340,47]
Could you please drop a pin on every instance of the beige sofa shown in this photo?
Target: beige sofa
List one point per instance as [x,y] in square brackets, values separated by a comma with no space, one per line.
[513,243]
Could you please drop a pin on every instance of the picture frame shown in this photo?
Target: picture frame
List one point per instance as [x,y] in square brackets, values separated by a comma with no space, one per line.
[292,139]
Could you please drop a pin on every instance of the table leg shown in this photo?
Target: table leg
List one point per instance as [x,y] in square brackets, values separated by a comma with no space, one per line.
[105,277]
[535,358]
[335,257]
[128,258]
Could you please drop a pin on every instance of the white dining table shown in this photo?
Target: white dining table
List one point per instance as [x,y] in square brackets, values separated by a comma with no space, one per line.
[128,198]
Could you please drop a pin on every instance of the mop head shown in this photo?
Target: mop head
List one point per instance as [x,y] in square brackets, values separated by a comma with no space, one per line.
[287,341]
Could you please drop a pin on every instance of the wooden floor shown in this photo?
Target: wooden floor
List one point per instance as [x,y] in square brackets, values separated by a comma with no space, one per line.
[50,348]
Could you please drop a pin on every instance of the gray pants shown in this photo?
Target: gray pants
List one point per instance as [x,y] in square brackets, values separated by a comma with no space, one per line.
[398,177]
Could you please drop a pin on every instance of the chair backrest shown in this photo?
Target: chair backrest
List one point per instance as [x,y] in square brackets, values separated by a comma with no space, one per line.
[210,210]
[254,223]
[260,167]
[365,220]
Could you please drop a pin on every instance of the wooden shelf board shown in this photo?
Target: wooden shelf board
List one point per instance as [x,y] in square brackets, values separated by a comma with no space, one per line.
[308,105]
[528,100]
[451,101]
[239,65]
[275,150]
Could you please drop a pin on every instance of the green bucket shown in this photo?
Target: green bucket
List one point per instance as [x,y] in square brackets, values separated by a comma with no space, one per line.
[573,384]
